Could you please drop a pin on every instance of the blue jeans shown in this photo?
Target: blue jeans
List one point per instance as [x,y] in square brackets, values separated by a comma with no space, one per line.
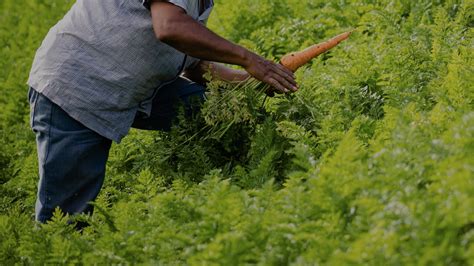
[72,157]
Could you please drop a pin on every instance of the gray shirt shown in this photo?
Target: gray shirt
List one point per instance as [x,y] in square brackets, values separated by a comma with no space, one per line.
[102,62]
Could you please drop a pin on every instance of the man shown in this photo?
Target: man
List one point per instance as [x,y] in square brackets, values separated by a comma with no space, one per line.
[108,65]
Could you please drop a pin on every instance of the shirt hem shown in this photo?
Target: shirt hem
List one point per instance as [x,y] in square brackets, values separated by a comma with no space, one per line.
[77,114]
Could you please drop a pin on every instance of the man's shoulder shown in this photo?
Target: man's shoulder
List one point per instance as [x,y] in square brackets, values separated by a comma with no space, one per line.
[194,8]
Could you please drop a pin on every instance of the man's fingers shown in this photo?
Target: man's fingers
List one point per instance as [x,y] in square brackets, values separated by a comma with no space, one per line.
[274,83]
[285,83]
[275,75]
[284,78]
[285,70]
[289,79]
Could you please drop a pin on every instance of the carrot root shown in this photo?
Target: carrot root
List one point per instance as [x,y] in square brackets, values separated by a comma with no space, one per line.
[295,60]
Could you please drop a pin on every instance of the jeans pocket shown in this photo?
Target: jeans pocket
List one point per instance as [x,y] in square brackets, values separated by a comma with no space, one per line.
[32,97]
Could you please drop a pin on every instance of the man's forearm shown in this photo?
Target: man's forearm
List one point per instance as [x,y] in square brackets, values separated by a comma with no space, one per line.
[217,71]
[174,27]
[222,72]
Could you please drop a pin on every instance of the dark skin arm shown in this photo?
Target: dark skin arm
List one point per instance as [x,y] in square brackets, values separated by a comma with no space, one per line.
[221,72]
[217,70]
[174,27]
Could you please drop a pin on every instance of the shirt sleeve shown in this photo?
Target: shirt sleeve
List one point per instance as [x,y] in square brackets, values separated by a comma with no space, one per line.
[191,62]
[184,4]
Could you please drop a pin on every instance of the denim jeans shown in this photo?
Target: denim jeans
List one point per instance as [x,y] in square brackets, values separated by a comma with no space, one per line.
[72,157]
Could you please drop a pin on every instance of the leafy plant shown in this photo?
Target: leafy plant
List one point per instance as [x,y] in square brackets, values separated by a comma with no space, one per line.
[369,163]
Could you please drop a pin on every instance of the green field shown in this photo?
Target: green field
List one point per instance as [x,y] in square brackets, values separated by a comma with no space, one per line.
[370,163]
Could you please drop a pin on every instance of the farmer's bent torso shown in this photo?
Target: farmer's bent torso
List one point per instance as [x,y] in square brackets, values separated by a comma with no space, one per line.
[102,62]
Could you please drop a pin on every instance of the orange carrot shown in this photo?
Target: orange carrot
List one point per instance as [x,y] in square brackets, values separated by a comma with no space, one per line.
[295,60]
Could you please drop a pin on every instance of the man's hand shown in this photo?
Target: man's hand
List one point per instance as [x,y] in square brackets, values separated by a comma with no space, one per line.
[280,78]
[174,27]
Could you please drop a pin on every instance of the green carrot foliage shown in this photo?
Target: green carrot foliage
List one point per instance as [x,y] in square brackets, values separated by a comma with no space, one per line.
[371,162]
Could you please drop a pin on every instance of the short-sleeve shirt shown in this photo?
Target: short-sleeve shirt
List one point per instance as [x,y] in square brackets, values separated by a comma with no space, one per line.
[102,62]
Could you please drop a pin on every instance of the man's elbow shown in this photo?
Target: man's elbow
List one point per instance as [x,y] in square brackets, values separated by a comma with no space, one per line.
[167,20]
[165,31]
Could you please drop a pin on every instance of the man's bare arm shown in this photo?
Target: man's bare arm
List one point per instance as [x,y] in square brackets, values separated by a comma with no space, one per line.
[174,27]
[217,71]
